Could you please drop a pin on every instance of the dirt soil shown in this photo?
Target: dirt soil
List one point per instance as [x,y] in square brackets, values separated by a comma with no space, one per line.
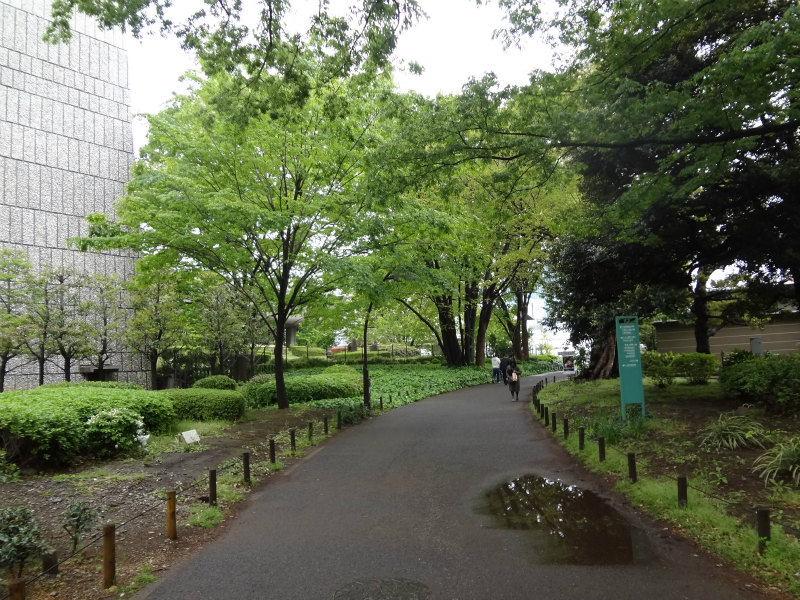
[131,494]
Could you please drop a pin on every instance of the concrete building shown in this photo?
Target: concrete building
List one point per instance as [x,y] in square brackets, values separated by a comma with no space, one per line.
[65,147]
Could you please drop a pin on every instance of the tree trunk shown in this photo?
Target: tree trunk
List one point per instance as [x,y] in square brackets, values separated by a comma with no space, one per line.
[470,316]
[484,318]
[603,357]
[365,368]
[280,382]
[67,368]
[447,325]
[4,358]
[154,369]
[700,311]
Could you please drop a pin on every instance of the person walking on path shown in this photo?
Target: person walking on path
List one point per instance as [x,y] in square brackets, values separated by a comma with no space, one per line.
[503,366]
[513,375]
[496,377]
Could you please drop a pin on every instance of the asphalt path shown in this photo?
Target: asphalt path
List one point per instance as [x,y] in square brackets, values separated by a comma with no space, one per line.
[388,509]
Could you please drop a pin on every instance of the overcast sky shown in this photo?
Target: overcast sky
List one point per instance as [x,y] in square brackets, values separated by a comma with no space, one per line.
[453,44]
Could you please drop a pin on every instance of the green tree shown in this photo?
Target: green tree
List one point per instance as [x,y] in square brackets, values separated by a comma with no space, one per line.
[69,329]
[105,314]
[270,204]
[158,319]
[14,274]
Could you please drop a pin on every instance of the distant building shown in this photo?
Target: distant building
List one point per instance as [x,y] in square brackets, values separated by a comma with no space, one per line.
[780,336]
[65,147]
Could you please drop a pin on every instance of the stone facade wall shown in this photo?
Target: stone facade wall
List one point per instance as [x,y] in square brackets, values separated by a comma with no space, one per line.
[65,148]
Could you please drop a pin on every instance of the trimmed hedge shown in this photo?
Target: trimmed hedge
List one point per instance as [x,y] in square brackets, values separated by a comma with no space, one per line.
[303,389]
[695,366]
[203,404]
[49,424]
[773,381]
[215,382]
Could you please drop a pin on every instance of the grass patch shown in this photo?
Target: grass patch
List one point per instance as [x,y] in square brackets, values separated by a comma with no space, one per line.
[203,515]
[140,580]
[721,495]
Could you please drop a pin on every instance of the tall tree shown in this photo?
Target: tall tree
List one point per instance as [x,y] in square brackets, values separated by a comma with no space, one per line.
[14,273]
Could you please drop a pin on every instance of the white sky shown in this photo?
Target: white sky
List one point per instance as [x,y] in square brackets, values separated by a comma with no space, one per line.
[453,44]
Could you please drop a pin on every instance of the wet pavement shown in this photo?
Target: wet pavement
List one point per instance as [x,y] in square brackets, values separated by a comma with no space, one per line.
[461,496]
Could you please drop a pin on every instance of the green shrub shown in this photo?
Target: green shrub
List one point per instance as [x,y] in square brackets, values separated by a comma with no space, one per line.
[113,430]
[731,431]
[773,381]
[200,404]
[306,363]
[115,385]
[215,382]
[262,378]
[696,367]
[783,459]
[608,426]
[736,356]
[658,367]
[49,424]
[303,388]
[78,518]
[8,470]
[20,539]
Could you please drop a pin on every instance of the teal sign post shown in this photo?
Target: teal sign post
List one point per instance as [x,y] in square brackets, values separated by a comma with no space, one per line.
[630,363]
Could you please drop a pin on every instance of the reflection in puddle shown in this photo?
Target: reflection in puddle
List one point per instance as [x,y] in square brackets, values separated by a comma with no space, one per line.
[581,528]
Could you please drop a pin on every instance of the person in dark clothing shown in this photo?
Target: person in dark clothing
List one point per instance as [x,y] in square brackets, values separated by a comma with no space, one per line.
[513,375]
[503,365]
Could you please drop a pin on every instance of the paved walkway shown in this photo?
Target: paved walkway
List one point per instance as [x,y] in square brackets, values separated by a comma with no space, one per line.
[387,509]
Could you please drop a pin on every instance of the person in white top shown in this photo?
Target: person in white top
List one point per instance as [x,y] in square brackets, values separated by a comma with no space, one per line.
[496,369]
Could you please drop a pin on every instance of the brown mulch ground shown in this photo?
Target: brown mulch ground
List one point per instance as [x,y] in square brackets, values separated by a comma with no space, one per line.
[131,494]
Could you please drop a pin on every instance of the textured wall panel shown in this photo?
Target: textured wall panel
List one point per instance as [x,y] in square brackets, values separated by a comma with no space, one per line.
[65,147]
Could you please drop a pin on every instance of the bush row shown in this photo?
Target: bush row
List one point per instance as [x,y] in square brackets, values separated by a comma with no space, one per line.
[304,388]
[773,381]
[200,404]
[698,368]
[56,424]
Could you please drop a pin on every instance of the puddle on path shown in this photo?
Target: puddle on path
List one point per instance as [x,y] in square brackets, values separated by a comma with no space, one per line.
[576,526]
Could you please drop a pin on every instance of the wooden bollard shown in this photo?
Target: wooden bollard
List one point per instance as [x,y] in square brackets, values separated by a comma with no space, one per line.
[381,402]
[566,428]
[246,467]
[546,417]
[632,467]
[16,589]
[272,450]
[50,563]
[763,528]
[109,555]
[581,437]
[682,492]
[325,424]
[310,431]
[553,422]
[339,419]
[212,487]
[293,440]
[601,448]
[172,526]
